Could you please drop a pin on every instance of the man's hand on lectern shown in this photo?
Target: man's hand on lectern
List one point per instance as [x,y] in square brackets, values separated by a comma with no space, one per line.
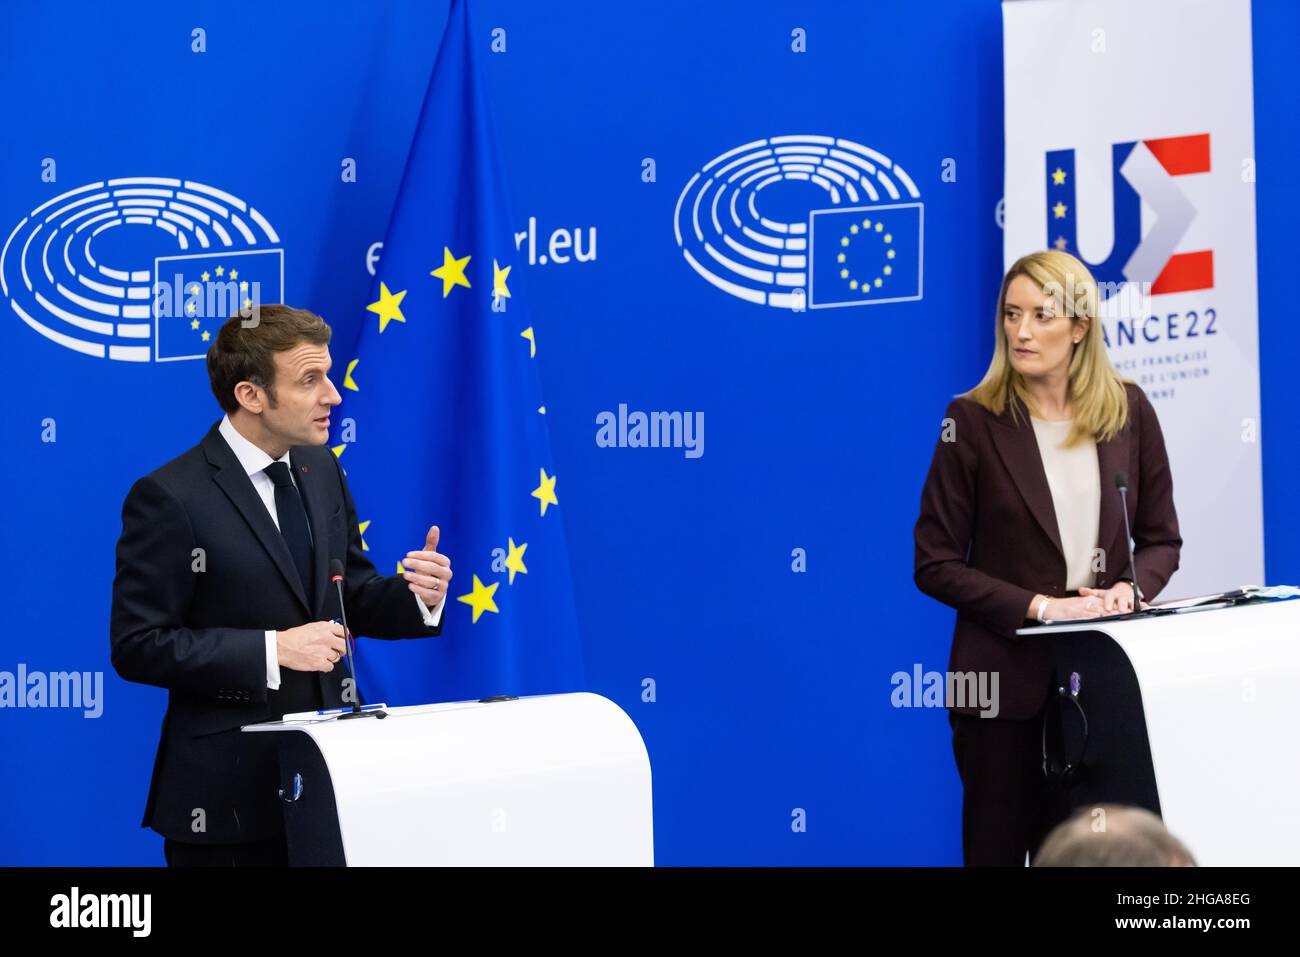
[428,571]
[315,646]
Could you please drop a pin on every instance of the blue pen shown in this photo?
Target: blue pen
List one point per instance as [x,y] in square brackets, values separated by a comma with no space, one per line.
[365,707]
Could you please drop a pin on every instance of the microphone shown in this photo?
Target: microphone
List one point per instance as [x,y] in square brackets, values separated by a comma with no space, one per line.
[336,576]
[1121,483]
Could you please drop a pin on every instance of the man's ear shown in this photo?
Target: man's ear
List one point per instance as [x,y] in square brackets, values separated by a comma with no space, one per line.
[250,397]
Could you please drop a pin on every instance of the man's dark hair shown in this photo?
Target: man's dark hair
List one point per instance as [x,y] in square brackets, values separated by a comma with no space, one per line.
[1126,837]
[245,349]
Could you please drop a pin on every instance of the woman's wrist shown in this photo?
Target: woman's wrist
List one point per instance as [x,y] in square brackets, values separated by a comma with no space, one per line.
[1036,612]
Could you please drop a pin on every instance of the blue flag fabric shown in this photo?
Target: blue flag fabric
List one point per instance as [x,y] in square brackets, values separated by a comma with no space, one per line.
[450,426]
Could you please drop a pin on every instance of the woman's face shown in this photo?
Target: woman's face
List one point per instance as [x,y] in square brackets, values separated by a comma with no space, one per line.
[1039,338]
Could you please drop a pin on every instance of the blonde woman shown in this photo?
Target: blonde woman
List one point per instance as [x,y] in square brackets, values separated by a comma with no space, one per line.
[1020,522]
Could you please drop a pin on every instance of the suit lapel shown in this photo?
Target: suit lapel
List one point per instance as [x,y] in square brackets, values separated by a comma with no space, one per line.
[1112,457]
[315,498]
[231,479]
[1018,447]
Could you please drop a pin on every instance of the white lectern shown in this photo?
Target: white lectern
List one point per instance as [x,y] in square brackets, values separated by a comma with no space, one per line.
[1193,715]
[550,779]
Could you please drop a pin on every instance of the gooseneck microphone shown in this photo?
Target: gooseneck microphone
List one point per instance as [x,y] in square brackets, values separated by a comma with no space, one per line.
[1121,483]
[336,576]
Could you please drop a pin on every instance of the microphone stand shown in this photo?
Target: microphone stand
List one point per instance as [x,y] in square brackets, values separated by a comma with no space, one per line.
[1121,483]
[336,575]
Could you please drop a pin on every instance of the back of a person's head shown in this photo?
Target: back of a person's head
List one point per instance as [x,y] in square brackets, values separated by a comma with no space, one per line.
[1112,835]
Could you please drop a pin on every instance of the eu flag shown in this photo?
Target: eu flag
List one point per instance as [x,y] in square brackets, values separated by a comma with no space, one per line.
[443,421]
[863,255]
[195,294]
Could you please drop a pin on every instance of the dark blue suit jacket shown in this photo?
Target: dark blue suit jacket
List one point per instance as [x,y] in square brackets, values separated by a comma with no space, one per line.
[195,622]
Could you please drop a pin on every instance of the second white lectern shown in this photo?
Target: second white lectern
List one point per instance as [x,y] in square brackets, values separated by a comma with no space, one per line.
[1191,715]
[551,779]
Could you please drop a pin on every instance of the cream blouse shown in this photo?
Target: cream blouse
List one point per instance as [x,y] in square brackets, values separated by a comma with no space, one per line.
[1074,478]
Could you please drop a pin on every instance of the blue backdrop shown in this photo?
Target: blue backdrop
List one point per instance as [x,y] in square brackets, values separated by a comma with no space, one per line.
[771,687]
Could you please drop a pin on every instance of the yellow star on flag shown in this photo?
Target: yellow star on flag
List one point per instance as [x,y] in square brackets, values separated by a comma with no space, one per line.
[338,450]
[451,272]
[499,277]
[389,306]
[234,274]
[515,560]
[221,270]
[532,342]
[1059,210]
[1058,177]
[348,381]
[480,599]
[545,493]
[206,335]
[194,324]
[361,530]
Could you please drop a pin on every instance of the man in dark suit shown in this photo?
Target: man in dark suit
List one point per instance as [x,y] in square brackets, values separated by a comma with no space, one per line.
[223,596]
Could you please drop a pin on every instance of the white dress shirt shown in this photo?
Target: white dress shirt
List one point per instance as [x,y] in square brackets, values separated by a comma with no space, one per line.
[255,461]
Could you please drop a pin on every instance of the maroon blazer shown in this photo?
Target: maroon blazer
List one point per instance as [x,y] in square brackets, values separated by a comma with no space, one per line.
[987,538]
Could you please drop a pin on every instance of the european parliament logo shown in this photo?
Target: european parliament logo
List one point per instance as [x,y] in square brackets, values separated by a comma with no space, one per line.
[804,221]
[140,269]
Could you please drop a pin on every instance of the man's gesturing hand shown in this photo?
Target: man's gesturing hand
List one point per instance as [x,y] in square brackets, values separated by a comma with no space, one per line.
[428,572]
[315,646]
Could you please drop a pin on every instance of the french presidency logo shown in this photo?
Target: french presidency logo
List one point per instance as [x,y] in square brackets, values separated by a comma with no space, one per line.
[1144,178]
[804,221]
[140,269]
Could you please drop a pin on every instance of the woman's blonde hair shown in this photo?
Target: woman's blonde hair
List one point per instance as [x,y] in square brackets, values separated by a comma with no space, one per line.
[1095,390]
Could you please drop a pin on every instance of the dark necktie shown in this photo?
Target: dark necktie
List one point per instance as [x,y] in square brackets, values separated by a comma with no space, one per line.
[292,515]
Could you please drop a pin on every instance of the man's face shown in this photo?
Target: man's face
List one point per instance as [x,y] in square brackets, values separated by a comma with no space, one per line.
[304,396]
